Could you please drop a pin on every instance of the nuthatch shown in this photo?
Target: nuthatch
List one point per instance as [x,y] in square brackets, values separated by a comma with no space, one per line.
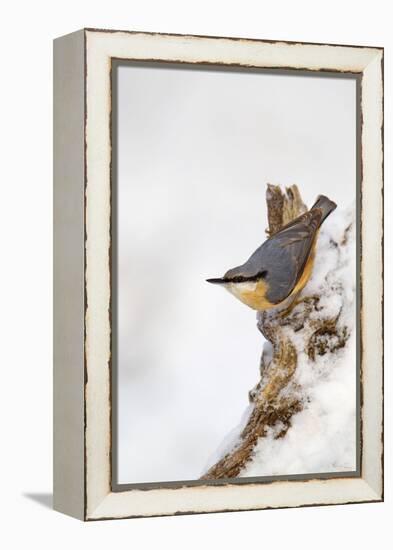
[281,267]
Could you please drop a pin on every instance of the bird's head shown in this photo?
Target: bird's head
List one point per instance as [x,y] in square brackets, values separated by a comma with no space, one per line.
[238,275]
[247,287]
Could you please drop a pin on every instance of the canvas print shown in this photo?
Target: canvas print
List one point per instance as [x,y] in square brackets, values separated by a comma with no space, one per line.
[235,310]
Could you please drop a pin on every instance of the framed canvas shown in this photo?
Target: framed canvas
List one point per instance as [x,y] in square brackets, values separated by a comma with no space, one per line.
[189,165]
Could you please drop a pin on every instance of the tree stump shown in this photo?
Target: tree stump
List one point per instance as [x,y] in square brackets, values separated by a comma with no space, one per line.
[310,329]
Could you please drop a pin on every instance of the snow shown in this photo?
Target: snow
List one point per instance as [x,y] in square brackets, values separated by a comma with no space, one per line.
[322,436]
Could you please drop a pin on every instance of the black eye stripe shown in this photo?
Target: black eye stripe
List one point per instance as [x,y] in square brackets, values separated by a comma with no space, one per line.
[241,279]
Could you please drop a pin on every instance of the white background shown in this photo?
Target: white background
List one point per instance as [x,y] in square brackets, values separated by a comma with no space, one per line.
[195,151]
[26,89]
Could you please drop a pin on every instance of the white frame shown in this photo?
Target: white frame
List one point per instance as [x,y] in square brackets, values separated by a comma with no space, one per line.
[82,472]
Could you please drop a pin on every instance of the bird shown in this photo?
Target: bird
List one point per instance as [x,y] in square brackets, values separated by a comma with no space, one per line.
[276,273]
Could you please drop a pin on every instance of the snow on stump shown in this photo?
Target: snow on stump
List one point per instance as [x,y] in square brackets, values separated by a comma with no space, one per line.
[302,417]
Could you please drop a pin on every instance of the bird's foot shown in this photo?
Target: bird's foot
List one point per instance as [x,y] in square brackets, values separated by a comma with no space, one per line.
[282,314]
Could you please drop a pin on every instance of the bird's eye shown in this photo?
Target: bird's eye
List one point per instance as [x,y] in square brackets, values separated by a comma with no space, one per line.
[262,274]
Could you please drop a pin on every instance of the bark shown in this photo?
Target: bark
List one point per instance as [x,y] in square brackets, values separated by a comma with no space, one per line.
[277,397]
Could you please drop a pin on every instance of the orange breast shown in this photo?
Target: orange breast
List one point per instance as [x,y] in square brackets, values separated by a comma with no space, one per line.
[253,295]
[305,276]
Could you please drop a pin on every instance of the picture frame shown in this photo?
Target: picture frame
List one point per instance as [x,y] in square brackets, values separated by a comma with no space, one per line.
[83,282]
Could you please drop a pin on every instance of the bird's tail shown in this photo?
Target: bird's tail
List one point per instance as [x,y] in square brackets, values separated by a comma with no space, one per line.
[326,205]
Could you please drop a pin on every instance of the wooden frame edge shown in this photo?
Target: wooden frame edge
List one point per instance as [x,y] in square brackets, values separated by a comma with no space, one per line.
[69,247]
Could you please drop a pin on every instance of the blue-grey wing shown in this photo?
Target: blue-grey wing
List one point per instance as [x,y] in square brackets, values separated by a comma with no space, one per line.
[284,255]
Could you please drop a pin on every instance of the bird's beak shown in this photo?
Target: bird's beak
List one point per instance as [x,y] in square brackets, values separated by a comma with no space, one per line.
[218,281]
